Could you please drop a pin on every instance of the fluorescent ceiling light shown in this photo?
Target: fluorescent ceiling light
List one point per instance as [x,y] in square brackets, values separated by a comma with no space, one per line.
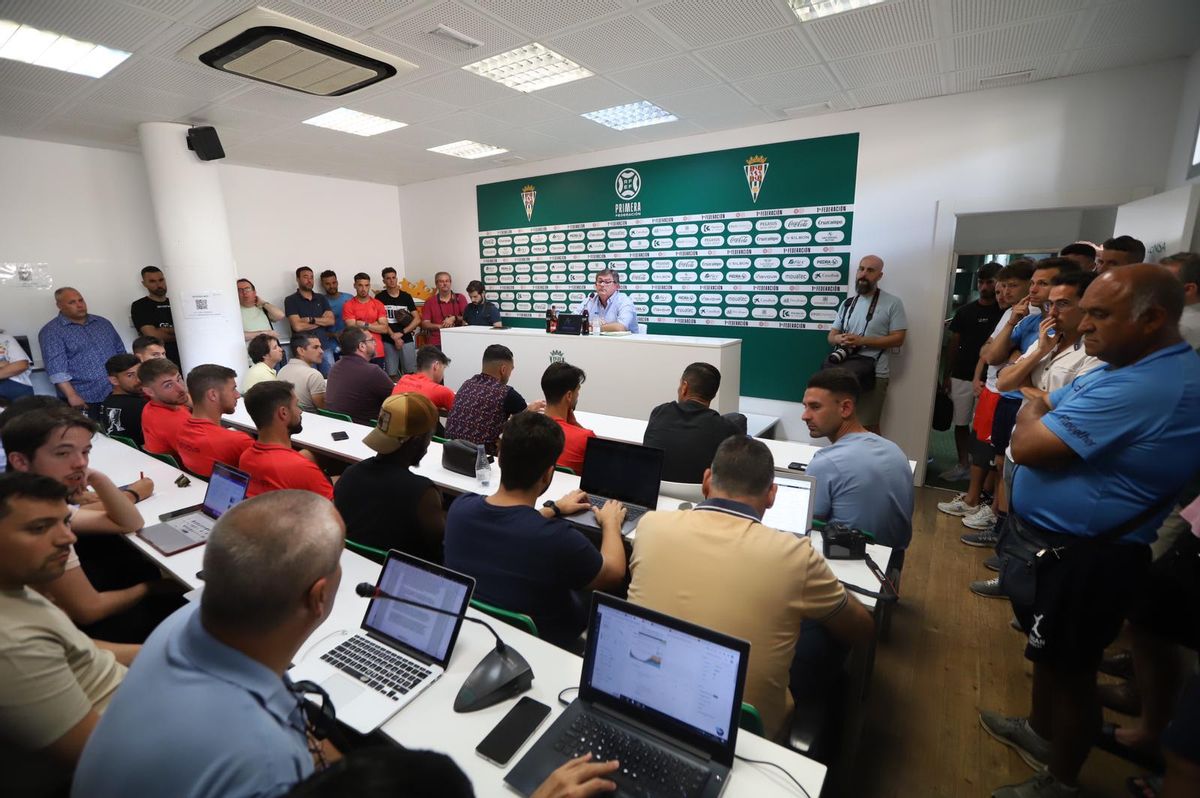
[626,117]
[467,149]
[529,68]
[807,10]
[44,48]
[356,122]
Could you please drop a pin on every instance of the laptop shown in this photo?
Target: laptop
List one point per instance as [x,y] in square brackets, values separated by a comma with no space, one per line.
[190,527]
[401,650]
[627,472]
[660,694]
[793,508]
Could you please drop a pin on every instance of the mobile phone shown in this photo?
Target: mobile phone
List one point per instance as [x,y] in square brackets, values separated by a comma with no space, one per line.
[341,436]
[797,466]
[512,731]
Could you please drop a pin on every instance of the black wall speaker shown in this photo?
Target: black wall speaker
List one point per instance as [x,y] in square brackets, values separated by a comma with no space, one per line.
[205,143]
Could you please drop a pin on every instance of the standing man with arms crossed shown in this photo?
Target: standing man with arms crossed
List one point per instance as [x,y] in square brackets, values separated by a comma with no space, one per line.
[367,313]
[870,323]
[444,309]
[308,311]
[151,315]
[75,346]
[400,349]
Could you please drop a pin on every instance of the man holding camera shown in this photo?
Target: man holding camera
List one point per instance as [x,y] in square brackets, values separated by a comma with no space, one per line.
[867,326]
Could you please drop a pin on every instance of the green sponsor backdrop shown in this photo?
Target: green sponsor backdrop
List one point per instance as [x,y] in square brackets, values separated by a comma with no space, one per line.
[698,253]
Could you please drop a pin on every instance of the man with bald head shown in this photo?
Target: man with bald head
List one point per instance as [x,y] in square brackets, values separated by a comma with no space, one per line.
[211,681]
[75,346]
[1121,441]
[869,324]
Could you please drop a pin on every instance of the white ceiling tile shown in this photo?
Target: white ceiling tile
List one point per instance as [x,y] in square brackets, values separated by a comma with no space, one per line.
[414,31]
[166,8]
[288,105]
[73,131]
[541,17]
[582,132]
[421,137]
[214,15]
[522,110]
[426,63]
[704,101]
[361,13]
[530,143]
[178,78]
[1145,19]
[665,77]
[1027,40]
[887,67]
[969,15]
[168,43]
[28,102]
[746,118]
[702,22]
[903,92]
[614,44]
[759,55]
[874,28]
[589,94]
[968,79]
[1113,55]
[155,105]
[15,123]
[401,106]
[667,130]
[461,88]
[225,117]
[467,125]
[791,88]
[26,77]
[100,21]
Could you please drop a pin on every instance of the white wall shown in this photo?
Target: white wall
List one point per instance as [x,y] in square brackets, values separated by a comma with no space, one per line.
[1052,144]
[1018,231]
[86,212]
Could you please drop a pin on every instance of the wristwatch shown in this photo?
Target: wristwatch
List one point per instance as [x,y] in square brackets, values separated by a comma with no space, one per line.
[553,506]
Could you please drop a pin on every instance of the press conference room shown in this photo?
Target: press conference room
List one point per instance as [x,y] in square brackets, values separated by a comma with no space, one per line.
[632,397]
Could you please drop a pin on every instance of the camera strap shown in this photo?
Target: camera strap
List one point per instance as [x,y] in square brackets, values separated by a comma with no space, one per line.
[848,311]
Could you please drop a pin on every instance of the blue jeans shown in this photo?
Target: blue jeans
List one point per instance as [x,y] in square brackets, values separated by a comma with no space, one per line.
[11,389]
[327,358]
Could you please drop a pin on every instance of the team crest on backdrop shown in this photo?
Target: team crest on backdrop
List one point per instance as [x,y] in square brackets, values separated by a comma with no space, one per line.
[557,356]
[528,196]
[756,174]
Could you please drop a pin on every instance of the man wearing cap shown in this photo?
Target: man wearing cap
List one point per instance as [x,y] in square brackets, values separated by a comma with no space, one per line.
[384,504]
[271,462]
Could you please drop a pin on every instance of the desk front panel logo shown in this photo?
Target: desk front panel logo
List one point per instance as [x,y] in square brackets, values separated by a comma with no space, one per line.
[557,356]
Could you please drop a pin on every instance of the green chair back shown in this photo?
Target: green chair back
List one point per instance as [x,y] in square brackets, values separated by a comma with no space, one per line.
[750,720]
[125,440]
[565,470]
[166,458]
[333,414]
[517,619]
[436,439]
[370,552]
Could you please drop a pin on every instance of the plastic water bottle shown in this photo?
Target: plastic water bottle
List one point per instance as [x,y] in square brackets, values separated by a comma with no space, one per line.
[483,469]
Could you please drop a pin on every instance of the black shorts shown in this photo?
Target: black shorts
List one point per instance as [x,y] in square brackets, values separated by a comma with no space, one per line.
[1081,601]
[1003,422]
[1182,736]
[1167,606]
[982,454]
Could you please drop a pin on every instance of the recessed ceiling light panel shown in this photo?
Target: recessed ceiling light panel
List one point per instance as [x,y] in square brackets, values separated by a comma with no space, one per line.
[529,68]
[44,48]
[467,149]
[627,117]
[356,122]
[808,10]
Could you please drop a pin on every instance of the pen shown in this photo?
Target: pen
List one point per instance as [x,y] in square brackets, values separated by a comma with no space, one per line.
[141,475]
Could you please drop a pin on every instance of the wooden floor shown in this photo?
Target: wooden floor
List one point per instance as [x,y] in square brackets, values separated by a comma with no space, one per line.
[950,654]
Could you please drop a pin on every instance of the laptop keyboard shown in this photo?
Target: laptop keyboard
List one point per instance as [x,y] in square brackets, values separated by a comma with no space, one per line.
[645,769]
[196,528]
[632,512]
[376,666]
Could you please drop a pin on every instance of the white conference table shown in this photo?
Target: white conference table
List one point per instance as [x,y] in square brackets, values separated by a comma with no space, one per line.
[429,722]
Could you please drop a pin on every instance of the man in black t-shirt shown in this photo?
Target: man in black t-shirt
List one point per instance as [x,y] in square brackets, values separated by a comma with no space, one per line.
[688,430]
[121,412]
[969,330]
[151,315]
[403,317]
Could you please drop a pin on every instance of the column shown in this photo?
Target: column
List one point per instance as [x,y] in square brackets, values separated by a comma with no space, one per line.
[189,210]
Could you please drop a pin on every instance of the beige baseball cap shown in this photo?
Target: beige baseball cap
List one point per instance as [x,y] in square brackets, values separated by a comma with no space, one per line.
[403,416]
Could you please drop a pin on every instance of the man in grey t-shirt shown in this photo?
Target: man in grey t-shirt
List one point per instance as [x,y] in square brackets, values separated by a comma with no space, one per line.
[885,330]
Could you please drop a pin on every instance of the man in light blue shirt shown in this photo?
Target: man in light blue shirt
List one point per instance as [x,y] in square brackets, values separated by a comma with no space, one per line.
[1116,446]
[76,346]
[614,309]
[207,710]
[863,480]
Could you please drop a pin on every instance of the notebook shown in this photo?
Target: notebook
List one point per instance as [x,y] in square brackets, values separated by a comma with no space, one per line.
[190,527]
[793,508]
[401,649]
[659,694]
[627,472]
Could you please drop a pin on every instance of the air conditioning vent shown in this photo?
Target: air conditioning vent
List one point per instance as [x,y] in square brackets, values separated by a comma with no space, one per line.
[1007,79]
[270,47]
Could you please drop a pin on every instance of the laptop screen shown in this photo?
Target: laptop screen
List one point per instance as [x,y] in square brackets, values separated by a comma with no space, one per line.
[412,628]
[226,487]
[626,472]
[683,680]
[793,508]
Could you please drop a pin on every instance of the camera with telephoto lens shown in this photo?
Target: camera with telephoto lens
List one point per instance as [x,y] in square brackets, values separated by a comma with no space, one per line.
[840,353]
[841,542]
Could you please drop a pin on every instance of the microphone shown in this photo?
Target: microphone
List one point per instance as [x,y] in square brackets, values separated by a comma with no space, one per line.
[501,674]
[368,590]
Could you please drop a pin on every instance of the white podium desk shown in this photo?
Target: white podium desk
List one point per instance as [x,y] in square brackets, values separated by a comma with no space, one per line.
[626,375]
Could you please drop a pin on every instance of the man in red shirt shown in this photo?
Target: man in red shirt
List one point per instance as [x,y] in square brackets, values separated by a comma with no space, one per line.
[365,311]
[271,462]
[167,410]
[202,440]
[427,379]
[561,384]
[443,309]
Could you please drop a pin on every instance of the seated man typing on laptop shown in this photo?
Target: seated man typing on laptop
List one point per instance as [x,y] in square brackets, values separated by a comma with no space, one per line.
[688,563]
[531,563]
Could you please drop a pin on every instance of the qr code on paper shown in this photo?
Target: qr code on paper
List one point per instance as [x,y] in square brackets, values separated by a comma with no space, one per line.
[201,304]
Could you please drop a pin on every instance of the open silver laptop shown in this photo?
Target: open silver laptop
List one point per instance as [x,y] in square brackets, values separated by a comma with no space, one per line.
[402,649]
[793,508]
[627,472]
[190,527]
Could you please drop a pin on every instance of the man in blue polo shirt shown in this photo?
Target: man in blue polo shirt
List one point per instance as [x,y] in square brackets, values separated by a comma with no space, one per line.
[308,311]
[1113,447]
[208,703]
[614,309]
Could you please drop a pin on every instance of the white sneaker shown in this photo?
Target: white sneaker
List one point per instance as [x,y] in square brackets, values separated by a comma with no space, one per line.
[983,518]
[958,507]
[956,474]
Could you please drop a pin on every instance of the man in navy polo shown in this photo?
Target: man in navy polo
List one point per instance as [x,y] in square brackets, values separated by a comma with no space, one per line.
[1102,451]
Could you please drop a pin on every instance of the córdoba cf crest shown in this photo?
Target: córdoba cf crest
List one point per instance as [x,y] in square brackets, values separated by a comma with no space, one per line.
[756,174]
[528,196]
